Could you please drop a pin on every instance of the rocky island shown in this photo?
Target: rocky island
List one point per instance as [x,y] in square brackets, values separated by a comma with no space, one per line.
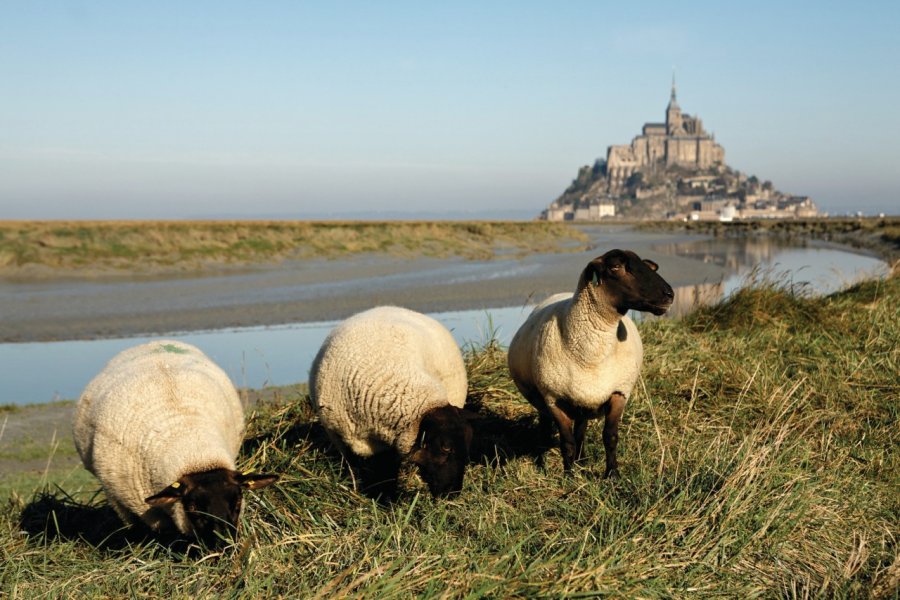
[672,170]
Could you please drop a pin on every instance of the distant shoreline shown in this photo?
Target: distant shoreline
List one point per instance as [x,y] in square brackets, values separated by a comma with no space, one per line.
[40,250]
[315,290]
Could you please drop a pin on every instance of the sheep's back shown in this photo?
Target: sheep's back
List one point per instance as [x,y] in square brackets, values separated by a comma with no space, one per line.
[378,372]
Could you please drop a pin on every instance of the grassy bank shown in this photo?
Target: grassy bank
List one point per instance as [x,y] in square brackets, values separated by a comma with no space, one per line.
[878,235]
[148,246]
[758,453]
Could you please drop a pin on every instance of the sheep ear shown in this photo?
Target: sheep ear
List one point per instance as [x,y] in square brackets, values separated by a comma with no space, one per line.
[255,481]
[591,275]
[168,495]
[419,457]
[653,266]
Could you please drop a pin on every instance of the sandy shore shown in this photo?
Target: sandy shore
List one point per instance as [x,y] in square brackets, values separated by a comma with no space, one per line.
[312,290]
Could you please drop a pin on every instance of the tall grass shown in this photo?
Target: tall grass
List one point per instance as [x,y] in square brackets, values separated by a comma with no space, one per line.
[758,453]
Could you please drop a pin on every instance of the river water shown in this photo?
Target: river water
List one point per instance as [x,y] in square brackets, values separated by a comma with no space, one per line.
[255,357]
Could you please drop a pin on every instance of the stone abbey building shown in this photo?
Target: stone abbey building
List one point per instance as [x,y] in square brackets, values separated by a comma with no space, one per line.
[672,170]
[681,141]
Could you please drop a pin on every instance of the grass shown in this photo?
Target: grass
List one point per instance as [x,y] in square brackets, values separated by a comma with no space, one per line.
[163,246]
[758,453]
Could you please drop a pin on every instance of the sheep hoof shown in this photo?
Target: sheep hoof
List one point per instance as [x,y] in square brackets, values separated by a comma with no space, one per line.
[611,474]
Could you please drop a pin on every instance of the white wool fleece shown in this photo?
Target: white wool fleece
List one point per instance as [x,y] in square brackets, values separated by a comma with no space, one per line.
[156,412]
[567,349]
[378,373]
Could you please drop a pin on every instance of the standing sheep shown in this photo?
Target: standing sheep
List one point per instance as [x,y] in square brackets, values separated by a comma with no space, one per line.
[388,383]
[160,427]
[577,357]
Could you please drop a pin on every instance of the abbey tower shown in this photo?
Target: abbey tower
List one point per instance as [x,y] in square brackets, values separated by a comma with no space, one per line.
[681,140]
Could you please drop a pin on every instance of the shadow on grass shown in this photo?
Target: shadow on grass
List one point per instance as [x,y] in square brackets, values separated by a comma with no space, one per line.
[500,439]
[372,475]
[310,432]
[497,439]
[52,518]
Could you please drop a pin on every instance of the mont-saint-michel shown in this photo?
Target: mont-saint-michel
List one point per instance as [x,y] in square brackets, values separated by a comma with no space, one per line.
[672,170]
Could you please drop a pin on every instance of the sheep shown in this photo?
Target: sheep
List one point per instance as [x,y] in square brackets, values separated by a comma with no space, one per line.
[577,356]
[390,383]
[160,427]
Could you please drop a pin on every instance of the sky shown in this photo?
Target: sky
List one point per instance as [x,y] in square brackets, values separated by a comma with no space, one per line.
[297,109]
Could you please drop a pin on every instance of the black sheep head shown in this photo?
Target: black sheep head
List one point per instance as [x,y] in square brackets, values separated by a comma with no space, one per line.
[442,449]
[623,280]
[212,500]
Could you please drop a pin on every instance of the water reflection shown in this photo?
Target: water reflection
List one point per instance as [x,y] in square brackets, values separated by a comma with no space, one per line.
[808,268]
[689,297]
[733,254]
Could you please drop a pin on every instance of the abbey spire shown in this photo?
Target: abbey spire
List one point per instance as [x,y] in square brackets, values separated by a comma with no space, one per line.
[674,121]
[681,140]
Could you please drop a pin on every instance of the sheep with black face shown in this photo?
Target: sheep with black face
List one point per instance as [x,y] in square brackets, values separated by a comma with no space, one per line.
[390,383]
[160,427]
[578,356]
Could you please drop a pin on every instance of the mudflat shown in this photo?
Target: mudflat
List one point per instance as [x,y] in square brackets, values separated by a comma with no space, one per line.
[313,289]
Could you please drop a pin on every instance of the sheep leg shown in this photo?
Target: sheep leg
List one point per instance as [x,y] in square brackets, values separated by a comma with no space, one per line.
[545,419]
[580,429]
[545,428]
[566,435]
[614,409]
[545,422]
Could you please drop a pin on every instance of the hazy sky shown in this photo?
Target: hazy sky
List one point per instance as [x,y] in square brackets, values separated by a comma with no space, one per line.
[192,109]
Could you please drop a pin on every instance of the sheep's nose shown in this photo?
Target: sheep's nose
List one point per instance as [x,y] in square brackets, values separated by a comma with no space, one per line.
[670,294]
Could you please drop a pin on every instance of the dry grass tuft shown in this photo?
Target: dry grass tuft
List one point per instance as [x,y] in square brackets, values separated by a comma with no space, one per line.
[766,300]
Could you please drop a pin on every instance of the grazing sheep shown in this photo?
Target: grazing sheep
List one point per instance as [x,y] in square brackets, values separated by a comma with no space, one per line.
[577,356]
[390,382]
[160,427]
